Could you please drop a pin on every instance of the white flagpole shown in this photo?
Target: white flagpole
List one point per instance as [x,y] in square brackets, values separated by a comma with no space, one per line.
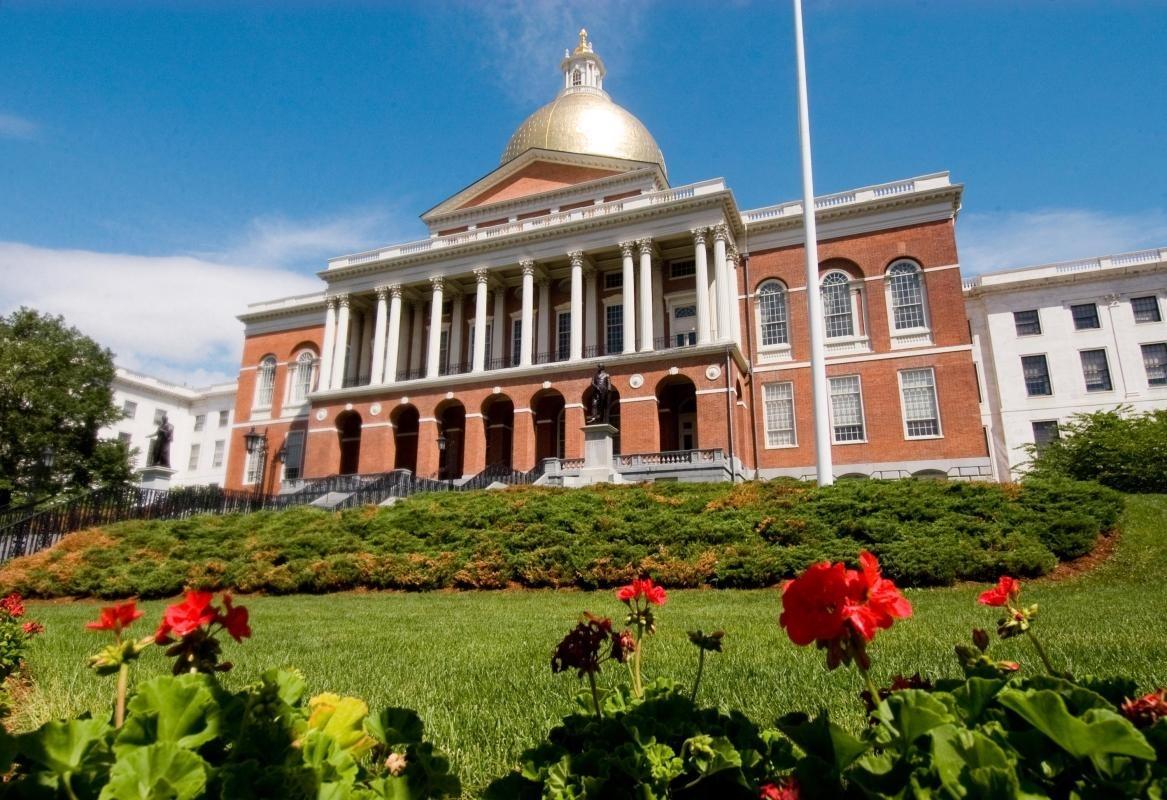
[814,300]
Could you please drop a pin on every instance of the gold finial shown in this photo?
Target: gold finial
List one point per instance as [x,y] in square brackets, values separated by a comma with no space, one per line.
[584,45]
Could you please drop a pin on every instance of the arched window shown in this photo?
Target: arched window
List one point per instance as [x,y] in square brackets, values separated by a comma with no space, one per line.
[301,377]
[838,311]
[265,381]
[772,315]
[906,290]
[576,78]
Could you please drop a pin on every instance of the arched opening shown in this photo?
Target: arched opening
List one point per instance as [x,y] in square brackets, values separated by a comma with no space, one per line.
[547,407]
[930,475]
[498,423]
[613,413]
[676,401]
[348,429]
[451,418]
[405,424]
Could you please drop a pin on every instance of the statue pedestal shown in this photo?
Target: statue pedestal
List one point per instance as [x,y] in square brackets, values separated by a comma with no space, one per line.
[598,448]
[156,477]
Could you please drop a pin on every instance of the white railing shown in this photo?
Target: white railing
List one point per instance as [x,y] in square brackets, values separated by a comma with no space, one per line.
[1039,271]
[508,228]
[286,302]
[855,196]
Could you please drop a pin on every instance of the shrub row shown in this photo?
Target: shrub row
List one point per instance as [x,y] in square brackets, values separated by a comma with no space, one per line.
[745,535]
[1120,449]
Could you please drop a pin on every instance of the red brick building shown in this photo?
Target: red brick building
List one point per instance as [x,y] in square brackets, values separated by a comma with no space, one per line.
[576,251]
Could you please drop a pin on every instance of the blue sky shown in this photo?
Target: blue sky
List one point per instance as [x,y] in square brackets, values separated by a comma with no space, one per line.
[163,164]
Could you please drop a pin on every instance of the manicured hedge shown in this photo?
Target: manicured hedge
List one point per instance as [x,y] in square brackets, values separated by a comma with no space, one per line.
[748,535]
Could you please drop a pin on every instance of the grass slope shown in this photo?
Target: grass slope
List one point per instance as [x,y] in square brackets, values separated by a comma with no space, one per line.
[476,664]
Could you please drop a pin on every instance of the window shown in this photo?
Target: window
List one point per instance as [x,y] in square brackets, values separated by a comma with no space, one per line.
[614,328]
[1085,316]
[576,78]
[159,413]
[1044,432]
[772,317]
[217,458]
[224,418]
[921,414]
[1035,370]
[129,409]
[1146,309]
[302,375]
[444,352]
[193,462]
[293,454]
[684,326]
[1155,363]
[847,409]
[516,340]
[253,467]
[489,338]
[1027,323]
[1095,370]
[682,269]
[907,295]
[778,401]
[265,381]
[837,305]
[200,422]
[613,280]
[563,335]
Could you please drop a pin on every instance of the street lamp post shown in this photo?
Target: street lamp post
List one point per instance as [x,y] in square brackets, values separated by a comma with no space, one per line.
[47,459]
[442,449]
[256,444]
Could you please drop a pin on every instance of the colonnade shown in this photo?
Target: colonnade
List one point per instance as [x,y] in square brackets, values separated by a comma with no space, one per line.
[374,348]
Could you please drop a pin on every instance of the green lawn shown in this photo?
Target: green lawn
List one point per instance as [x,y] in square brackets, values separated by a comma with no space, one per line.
[475,665]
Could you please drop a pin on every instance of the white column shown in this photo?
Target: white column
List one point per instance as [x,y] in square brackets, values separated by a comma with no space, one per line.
[394,345]
[577,319]
[701,280]
[629,298]
[645,310]
[724,315]
[735,310]
[590,316]
[432,361]
[528,314]
[377,374]
[660,310]
[500,328]
[415,336]
[355,328]
[543,324]
[456,311]
[367,335]
[328,346]
[481,277]
[336,380]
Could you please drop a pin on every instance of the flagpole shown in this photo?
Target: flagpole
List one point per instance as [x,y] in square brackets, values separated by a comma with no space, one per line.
[814,301]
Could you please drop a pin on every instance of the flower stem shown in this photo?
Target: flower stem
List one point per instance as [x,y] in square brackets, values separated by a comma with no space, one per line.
[871,687]
[595,693]
[1041,653]
[119,711]
[637,686]
[700,668]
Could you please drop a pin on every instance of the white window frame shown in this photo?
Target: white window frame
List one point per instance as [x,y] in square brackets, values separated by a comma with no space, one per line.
[1154,387]
[766,417]
[673,301]
[224,418]
[294,369]
[1109,371]
[220,454]
[192,460]
[516,349]
[1069,306]
[1040,326]
[935,404]
[470,334]
[200,422]
[1158,309]
[690,272]
[617,283]
[298,437]
[858,340]
[562,310]
[267,366]
[831,409]
[129,409]
[781,350]
[251,467]
[1049,376]
[920,335]
[1033,432]
[614,300]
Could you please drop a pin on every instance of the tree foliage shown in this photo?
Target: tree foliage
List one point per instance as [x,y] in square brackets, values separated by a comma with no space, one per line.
[55,394]
[1119,449]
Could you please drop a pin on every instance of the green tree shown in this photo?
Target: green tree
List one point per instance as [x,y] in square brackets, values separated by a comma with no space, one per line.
[1119,449]
[55,395]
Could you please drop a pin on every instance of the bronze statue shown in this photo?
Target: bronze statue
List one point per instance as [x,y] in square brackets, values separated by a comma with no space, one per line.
[159,455]
[601,403]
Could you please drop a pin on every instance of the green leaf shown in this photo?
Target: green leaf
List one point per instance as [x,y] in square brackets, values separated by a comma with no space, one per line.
[822,739]
[970,764]
[289,683]
[663,763]
[179,709]
[395,726]
[324,756]
[974,696]
[907,715]
[710,754]
[162,771]
[64,747]
[343,719]
[1098,734]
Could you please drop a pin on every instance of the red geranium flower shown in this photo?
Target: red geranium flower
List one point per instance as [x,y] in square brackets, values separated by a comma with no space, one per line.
[186,617]
[1003,593]
[642,588]
[235,620]
[812,604]
[32,628]
[874,602]
[116,618]
[12,605]
[785,789]
[1145,711]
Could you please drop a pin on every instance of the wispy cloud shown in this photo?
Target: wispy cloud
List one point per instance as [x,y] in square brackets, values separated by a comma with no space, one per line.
[174,315]
[525,39]
[15,127]
[990,241]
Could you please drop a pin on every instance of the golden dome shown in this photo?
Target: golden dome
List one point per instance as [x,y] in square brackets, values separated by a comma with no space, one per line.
[583,119]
